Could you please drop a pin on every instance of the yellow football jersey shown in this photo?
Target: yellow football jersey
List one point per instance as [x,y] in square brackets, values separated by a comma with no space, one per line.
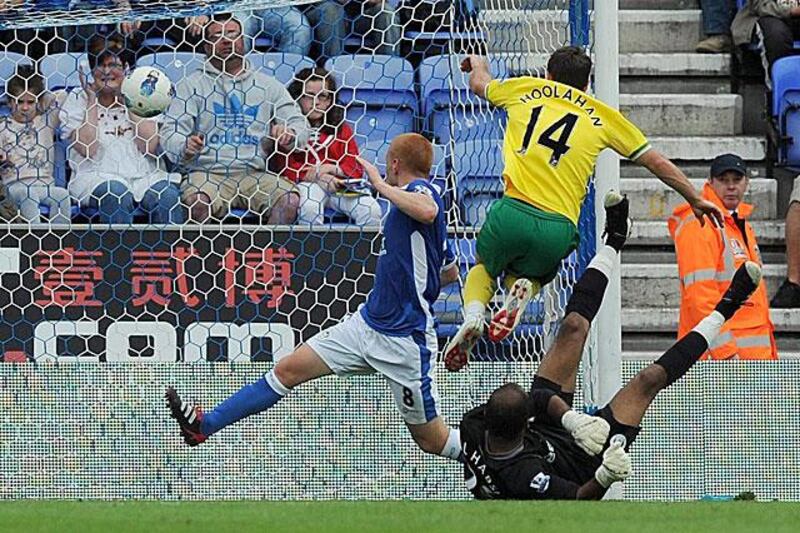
[553,138]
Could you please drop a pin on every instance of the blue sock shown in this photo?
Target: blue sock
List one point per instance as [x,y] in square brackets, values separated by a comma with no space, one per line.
[248,400]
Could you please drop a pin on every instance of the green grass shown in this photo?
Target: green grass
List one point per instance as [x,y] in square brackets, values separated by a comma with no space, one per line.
[414,517]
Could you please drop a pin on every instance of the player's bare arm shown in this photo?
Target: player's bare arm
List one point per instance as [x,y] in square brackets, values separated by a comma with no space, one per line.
[479,74]
[418,206]
[669,173]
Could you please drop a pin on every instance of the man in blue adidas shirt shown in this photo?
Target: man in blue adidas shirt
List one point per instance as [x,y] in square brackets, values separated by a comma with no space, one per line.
[224,123]
[392,334]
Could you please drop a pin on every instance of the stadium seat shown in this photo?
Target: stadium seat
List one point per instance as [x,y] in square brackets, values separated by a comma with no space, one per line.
[176,65]
[378,93]
[61,71]
[60,165]
[281,66]
[478,167]
[449,108]
[8,66]
[157,42]
[786,108]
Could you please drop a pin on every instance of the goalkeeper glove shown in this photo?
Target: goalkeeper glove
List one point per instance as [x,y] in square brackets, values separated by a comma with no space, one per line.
[589,432]
[616,465]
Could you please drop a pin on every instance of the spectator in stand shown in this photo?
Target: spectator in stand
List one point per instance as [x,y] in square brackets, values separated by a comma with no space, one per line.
[788,295]
[777,22]
[717,18]
[225,122]
[113,153]
[26,149]
[707,258]
[286,26]
[328,21]
[326,170]
[378,22]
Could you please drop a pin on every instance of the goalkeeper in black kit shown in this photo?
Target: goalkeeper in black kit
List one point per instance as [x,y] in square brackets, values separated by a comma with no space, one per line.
[532,445]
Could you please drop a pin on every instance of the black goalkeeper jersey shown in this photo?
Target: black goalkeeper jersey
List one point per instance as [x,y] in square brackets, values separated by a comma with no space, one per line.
[548,464]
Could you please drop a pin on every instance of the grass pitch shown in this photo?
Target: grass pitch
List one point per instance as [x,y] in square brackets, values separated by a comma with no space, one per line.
[406,516]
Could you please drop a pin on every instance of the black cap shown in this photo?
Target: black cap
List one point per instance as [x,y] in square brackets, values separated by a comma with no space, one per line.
[724,163]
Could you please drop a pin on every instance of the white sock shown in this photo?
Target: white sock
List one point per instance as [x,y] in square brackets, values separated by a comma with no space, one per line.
[604,260]
[475,308]
[452,448]
[709,327]
[274,382]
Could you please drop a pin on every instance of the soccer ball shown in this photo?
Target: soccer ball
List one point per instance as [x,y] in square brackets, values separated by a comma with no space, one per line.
[147,91]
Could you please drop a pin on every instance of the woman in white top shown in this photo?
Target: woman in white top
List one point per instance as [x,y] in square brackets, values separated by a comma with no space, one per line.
[113,152]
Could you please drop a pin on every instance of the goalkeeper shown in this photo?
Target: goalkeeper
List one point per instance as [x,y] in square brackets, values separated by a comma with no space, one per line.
[556,455]
[555,133]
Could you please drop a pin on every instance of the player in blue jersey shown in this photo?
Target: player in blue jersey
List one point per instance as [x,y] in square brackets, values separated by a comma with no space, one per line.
[392,334]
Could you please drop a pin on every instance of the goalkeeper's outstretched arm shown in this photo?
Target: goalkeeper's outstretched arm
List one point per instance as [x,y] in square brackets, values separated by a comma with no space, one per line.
[479,74]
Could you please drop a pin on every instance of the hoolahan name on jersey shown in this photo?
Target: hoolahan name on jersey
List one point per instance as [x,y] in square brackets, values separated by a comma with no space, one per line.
[570,94]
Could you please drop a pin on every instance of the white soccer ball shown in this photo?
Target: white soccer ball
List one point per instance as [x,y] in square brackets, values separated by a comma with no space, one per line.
[147,91]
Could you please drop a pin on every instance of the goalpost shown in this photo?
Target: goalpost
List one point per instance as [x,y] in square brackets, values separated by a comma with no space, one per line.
[96,347]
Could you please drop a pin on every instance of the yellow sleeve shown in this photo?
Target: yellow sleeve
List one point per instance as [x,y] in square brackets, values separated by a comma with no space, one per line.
[501,93]
[623,136]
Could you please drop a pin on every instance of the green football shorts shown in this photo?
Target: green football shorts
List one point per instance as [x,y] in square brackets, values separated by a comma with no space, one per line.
[520,239]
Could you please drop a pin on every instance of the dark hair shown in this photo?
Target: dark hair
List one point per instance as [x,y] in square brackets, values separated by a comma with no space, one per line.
[334,116]
[25,79]
[571,66]
[506,412]
[103,46]
[220,18]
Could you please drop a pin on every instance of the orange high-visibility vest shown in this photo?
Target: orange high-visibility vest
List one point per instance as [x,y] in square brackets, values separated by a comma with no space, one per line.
[707,259]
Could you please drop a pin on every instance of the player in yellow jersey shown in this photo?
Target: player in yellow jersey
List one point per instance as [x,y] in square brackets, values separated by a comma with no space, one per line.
[555,133]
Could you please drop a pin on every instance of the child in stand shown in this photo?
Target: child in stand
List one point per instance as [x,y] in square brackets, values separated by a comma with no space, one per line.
[27,149]
[326,171]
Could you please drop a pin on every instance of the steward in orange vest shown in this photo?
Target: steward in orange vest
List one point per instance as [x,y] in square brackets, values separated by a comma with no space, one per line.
[707,259]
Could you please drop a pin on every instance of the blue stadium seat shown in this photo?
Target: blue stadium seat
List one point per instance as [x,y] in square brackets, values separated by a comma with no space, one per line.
[176,65]
[478,167]
[60,165]
[450,109]
[281,66]
[8,66]
[62,70]
[158,41]
[378,92]
[786,108]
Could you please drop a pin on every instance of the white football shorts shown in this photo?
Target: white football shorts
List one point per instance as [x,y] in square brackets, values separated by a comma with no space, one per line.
[352,347]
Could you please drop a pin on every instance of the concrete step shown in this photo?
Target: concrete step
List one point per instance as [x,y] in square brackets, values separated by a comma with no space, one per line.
[694,170]
[658,4]
[693,148]
[665,320]
[679,64]
[653,200]
[677,73]
[684,114]
[655,233]
[659,30]
[646,286]
[663,31]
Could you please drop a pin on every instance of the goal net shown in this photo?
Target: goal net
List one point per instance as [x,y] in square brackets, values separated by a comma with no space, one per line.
[132,259]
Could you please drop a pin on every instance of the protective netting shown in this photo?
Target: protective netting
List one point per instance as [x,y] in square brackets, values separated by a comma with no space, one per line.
[99,431]
[164,241]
